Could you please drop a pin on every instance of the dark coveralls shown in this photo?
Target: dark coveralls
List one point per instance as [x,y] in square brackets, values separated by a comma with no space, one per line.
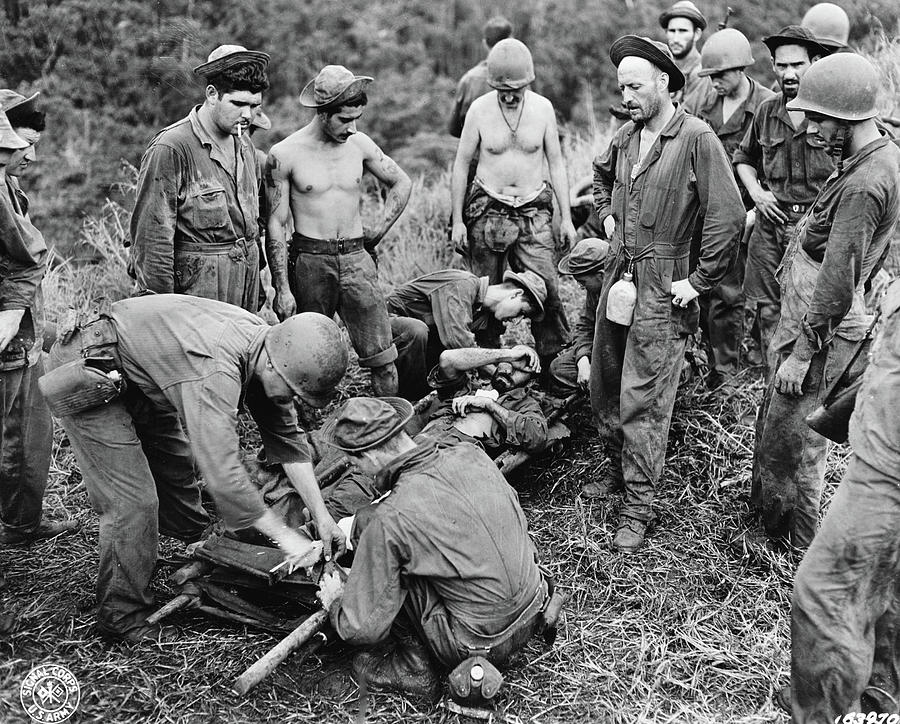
[845,616]
[195,224]
[434,312]
[25,426]
[793,164]
[722,310]
[339,275]
[449,546]
[564,369]
[519,237]
[187,362]
[635,370]
[840,245]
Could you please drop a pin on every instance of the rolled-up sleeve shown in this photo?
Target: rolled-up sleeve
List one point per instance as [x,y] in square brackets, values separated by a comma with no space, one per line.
[154,217]
[749,151]
[279,430]
[721,209]
[373,594]
[209,409]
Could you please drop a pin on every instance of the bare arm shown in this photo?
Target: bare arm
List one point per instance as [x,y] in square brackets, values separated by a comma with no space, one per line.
[558,176]
[399,186]
[277,183]
[455,361]
[465,152]
[303,478]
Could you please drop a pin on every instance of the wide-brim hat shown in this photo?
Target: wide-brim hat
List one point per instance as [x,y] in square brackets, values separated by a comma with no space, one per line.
[651,50]
[9,139]
[333,84]
[587,256]
[10,99]
[367,422]
[261,121]
[796,35]
[533,285]
[683,9]
[228,56]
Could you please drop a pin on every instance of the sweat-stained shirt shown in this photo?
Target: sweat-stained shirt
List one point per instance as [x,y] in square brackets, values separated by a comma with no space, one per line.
[448,301]
[684,177]
[791,163]
[848,232]
[23,263]
[196,355]
[186,194]
[450,519]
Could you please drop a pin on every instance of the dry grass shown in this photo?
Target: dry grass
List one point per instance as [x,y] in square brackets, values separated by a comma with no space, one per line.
[694,628]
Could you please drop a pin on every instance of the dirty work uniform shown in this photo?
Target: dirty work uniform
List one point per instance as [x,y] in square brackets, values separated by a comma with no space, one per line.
[472,85]
[187,363]
[525,430]
[722,310]
[697,88]
[841,243]
[195,224]
[515,232]
[845,613]
[25,426]
[449,546]
[564,369]
[434,312]
[685,175]
[339,275]
[793,164]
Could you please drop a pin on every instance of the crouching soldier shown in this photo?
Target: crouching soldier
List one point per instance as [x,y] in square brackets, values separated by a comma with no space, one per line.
[444,566]
[571,370]
[146,387]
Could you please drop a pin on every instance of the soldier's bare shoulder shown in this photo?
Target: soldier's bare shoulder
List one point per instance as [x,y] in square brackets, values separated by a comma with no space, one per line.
[481,104]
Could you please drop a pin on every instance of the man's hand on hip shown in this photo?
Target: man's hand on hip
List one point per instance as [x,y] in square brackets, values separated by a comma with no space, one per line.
[767,205]
[683,293]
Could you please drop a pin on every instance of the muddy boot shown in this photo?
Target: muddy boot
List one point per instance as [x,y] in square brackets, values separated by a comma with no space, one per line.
[384,380]
[403,667]
[609,482]
[629,534]
[45,530]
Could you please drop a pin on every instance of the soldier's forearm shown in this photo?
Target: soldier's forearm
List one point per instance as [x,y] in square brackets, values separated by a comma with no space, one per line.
[276,255]
[397,198]
[469,358]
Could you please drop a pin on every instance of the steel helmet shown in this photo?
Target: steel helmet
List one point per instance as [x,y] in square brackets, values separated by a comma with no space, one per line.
[309,354]
[725,49]
[829,23]
[843,86]
[509,65]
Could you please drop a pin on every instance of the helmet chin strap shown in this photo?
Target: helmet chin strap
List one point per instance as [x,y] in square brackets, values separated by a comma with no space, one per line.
[840,145]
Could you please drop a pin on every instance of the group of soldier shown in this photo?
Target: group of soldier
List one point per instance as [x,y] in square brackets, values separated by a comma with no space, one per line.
[717,199]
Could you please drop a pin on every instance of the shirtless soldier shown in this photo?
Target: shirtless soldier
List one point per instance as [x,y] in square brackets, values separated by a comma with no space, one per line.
[315,177]
[504,217]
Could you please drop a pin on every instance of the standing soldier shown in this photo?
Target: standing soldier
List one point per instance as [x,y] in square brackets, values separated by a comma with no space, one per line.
[840,245]
[662,173]
[195,225]
[684,24]
[782,164]
[475,82]
[314,177]
[504,218]
[729,112]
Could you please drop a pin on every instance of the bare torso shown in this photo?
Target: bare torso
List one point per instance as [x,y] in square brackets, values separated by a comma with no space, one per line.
[511,161]
[325,184]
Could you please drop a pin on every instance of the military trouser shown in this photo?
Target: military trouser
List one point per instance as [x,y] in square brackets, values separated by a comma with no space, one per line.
[722,319]
[338,275]
[635,373]
[520,239]
[449,641]
[418,350]
[845,617]
[26,439]
[564,374]
[789,457]
[226,272]
[139,474]
[765,250]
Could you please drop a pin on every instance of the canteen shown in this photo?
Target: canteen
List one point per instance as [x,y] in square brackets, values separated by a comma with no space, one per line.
[621,300]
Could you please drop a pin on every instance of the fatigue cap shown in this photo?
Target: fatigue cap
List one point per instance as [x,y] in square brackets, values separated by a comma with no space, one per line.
[587,256]
[683,9]
[652,50]
[333,84]
[366,422]
[795,35]
[229,56]
[534,287]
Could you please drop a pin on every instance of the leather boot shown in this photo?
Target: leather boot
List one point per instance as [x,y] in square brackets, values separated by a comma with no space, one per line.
[609,482]
[629,535]
[46,529]
[404,667]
